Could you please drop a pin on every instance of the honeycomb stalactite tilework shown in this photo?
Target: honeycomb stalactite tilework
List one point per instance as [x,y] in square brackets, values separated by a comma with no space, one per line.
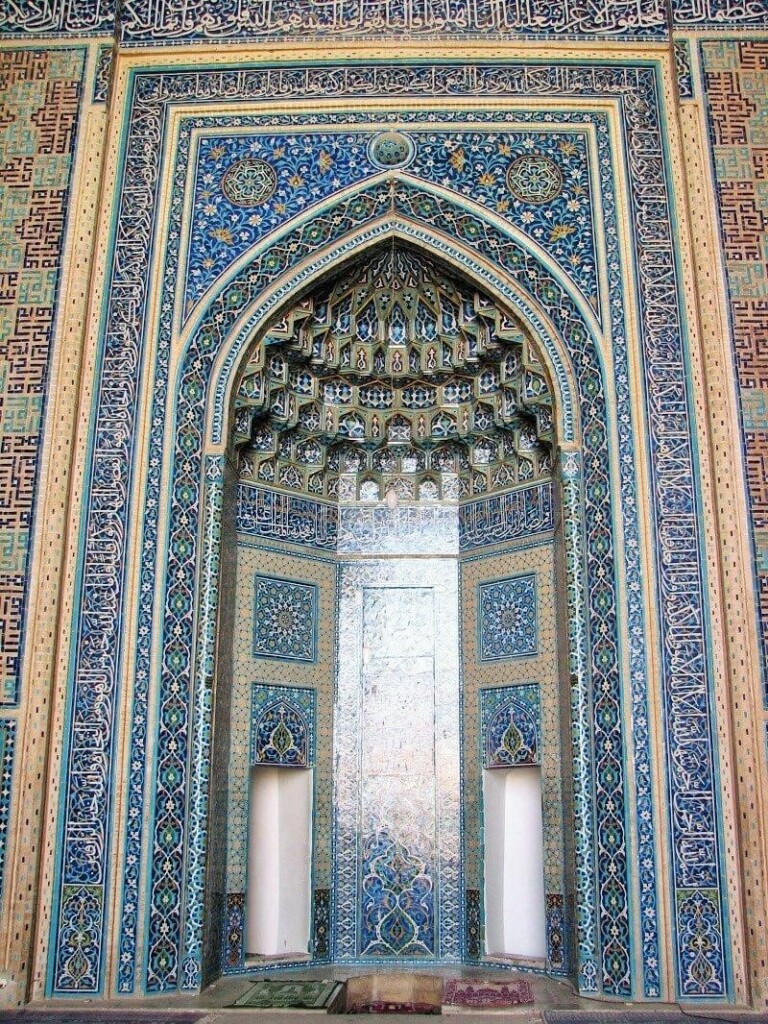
[735,76]
[39,102]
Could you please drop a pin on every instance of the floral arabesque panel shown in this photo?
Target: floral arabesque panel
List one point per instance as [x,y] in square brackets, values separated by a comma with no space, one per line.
[510,726]
[735,75]
[282,726]
[538,180]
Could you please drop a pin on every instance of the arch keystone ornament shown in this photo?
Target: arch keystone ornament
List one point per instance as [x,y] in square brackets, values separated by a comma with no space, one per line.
[391,150]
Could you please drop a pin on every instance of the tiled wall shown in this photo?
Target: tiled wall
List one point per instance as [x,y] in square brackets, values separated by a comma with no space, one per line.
[163,21]
[736,76]
[284,606]
[289,642]
[603,551]
[38,118]
[509,640]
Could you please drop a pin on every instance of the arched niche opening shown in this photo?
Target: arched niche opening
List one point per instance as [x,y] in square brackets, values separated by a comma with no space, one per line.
[391,572]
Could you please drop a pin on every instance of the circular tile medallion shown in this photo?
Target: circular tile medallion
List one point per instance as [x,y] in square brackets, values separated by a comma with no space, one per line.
[391,149]
[249,182]
[534,179]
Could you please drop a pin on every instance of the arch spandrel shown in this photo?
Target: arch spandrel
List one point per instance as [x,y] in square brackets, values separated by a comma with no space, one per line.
[503,285]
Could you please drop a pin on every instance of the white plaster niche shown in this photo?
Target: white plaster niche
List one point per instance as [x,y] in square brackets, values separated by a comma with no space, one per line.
[515,923]
[278,897]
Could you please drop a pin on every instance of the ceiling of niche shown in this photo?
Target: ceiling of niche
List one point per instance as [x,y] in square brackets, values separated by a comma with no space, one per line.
[394,376]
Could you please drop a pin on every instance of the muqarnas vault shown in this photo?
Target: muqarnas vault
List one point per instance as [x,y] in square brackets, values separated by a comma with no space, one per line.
[384,536]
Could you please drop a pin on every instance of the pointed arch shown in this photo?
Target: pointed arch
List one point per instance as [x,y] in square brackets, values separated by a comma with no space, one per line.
[482,251]
[484,273]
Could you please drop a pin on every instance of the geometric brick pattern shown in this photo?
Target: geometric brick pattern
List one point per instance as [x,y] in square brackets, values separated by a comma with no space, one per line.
[39,98]
[736,77]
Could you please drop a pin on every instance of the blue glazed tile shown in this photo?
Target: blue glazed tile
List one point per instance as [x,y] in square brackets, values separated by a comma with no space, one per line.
[282,725]
[7,743]
[507,618]
[590,573]
[285,619]
[510,726]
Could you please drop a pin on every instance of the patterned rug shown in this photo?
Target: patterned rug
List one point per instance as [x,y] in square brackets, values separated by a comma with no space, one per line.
[290,995]
[480,993]
[381,1006]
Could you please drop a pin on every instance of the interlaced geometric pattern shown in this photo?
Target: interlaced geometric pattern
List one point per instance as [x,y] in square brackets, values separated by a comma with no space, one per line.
[395,378]
[534,179]
[249,182]
[39,96]
[285,619]
[736,74]
[507,610]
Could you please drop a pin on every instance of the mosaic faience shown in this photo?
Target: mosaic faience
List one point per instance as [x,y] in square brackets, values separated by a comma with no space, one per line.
[737,110]
[422,215]
[41,92]
[282,726]
[394,379]
[162,21]
[7,744]
[396,786]
[284,619]
[497,165]
[507,619]
[511,728]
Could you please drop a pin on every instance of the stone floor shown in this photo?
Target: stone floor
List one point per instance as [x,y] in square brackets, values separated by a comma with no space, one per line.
[554,1003]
